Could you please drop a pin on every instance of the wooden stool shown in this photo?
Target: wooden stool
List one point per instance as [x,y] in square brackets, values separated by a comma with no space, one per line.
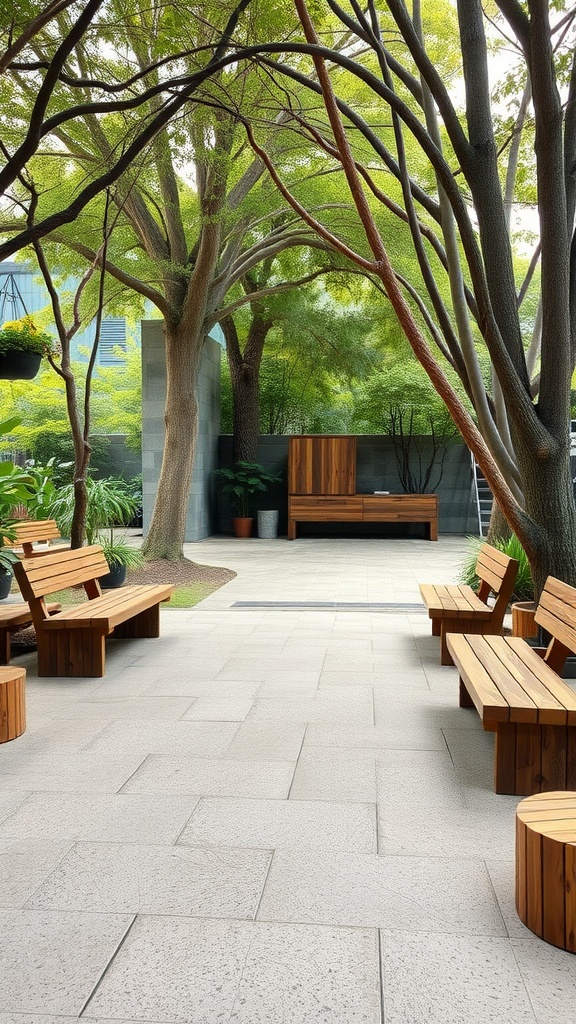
[546,866]
[12,703]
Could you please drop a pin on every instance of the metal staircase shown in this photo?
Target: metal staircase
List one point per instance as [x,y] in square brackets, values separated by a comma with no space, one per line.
[483,498]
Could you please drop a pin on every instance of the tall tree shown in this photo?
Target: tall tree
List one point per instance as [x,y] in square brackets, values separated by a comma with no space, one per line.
[532,480]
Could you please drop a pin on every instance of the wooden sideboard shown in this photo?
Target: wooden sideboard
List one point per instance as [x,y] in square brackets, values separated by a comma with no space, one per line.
[364,508]
[322,486]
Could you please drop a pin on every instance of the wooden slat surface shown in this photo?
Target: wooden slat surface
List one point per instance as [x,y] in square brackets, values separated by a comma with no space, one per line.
[458,600]
[487,698]
[103,613]
[533,692]
[58,570]
[30,530]
[556,611]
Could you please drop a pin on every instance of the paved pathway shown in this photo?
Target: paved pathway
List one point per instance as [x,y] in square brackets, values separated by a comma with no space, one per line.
[274,814]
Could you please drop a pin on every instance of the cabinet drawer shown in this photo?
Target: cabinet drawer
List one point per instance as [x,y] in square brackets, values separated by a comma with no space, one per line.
[405,508]
[325,508]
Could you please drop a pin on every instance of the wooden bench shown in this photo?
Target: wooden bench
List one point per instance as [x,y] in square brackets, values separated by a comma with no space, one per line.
[14,617]
[71,642]
[519,695]
[34,531]
[456,608]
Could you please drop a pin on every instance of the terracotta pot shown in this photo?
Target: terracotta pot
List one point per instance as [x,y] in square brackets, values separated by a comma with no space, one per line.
[242,526]
[523,623]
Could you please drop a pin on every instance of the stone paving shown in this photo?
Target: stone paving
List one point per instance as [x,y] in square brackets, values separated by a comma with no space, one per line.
[274,814]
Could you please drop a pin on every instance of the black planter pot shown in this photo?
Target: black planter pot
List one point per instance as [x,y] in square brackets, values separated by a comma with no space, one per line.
[5,583]
[17,365]
[114,578]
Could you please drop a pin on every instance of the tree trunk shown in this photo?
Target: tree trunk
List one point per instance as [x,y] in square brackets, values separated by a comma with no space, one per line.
[246,411]
[498,528]
[245,379]
[551,543]
[168,525]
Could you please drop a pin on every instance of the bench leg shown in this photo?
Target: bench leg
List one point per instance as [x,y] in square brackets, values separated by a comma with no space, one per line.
[465,698]
[145,624]
[5,646]
[436,625]
[71,652]
[533,758]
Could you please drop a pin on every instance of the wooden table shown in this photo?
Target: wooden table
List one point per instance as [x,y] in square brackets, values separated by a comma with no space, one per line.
[546,867]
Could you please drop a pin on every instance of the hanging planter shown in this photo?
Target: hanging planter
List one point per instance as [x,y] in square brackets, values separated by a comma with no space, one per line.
[22,347]
[16,365]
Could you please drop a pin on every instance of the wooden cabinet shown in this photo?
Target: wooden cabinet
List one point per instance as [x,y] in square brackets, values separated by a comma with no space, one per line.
[322,464]
[322,483]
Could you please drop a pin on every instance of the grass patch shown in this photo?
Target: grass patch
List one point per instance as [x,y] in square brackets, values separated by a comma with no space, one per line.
[188,596]
[183,597]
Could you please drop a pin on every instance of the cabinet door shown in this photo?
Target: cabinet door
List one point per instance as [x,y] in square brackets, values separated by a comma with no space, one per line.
[319,464]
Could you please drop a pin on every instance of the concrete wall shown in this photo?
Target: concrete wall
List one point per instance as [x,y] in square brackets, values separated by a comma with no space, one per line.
[200,521]
[376,469]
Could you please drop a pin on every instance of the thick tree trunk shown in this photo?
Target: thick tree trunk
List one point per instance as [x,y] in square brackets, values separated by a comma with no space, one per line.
[551,542]
[245,378]
[246,411]
[498,528]
[168,525]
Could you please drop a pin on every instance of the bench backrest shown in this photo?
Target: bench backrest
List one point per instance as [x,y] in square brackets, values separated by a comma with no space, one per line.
[58,570]
[497,573]
[556,613]
[34,531]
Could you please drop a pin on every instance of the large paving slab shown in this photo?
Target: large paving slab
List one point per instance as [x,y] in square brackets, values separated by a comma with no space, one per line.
[276,812]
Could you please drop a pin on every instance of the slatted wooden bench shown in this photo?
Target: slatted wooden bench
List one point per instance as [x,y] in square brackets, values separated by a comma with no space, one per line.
[519,695]
[14,617]
[72,642]
[34,531]
[456,608]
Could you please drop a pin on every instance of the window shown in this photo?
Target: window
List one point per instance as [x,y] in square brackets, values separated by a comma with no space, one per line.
[112,336]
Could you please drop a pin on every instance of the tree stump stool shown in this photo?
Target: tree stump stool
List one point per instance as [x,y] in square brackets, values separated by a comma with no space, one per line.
[12,703]
[546,866]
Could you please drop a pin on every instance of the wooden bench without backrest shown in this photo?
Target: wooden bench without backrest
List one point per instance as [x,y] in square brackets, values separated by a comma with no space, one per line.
[34,531]
[455,608]
[71,642]
[520,696]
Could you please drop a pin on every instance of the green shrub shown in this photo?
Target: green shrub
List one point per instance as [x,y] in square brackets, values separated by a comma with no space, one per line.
[524,586]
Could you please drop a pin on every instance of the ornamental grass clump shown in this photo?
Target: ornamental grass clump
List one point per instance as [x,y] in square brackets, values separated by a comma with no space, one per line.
[524,586]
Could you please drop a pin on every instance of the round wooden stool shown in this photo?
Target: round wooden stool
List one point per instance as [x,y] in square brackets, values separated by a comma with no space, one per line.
[546,866]
[12,703]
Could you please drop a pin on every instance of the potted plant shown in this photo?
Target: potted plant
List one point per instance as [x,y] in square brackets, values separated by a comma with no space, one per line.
[242,482]
[111,504]
[22,347]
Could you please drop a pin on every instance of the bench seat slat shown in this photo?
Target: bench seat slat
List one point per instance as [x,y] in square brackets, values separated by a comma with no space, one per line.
[459,600]
[486,696]
[522,707]
[547,676]
[106,612]
[541,685]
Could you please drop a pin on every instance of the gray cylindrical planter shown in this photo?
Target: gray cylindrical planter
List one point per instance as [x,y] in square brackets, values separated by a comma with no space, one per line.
[268,523]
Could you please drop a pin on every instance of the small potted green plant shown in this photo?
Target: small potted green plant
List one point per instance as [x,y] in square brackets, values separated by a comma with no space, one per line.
[242,482]
[22,348]
[111,504]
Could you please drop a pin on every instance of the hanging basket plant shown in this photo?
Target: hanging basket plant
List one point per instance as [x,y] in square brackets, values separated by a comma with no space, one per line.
[22,348]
